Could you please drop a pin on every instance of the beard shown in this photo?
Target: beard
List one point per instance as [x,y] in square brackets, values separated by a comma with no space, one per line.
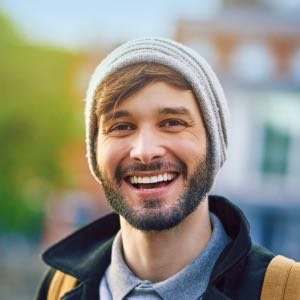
[153,216]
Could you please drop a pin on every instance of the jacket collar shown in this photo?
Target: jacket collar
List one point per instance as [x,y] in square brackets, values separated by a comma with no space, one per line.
[86,253]
[82,253]
[237,227]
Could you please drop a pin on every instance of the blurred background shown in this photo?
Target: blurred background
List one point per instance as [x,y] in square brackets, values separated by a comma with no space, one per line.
[48,50]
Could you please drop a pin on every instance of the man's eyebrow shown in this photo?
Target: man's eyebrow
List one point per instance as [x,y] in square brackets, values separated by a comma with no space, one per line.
[163,111]
[175,111]
[115,115]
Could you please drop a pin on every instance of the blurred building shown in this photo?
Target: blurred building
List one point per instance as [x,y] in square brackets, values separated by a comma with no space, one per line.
[257,56]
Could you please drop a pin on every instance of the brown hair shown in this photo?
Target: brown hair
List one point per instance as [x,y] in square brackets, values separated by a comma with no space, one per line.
[130,79]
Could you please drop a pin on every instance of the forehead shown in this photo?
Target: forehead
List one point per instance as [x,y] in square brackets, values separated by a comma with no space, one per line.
[159,97]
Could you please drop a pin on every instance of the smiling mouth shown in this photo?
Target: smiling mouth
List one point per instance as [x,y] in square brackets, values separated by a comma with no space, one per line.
[151,182]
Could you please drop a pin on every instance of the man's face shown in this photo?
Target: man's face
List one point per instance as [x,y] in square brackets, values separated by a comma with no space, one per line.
[151,153]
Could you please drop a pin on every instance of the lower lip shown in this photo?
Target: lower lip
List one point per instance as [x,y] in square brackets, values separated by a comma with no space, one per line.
[153,193]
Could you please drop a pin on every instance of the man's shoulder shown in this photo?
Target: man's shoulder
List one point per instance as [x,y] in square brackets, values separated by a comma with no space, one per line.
[244,279]
[260,254]
[258,261]
[249,279]
[90,244]
[85,255]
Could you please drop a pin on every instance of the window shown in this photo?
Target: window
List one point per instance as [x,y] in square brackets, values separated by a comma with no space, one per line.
[281,130]
[276,149]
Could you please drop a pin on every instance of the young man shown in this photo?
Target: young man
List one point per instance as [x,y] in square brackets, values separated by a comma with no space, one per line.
[157,122]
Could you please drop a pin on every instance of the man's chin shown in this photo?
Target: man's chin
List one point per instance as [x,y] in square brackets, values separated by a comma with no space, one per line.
[154,219]
[154,215]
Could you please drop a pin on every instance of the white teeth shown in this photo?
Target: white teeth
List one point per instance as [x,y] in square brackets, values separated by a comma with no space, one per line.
[152,179]
[146,179]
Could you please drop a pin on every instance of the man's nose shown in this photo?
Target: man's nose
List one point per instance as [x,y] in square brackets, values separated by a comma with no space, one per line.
[146,147]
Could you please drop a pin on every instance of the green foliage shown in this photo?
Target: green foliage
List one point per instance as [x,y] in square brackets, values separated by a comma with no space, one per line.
[8,33]
[37,120]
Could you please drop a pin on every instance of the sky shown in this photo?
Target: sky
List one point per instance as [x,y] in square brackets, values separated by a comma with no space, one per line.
[80,24]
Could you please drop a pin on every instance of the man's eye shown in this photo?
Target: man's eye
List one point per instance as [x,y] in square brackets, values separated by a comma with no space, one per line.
[121,127]
[173,123]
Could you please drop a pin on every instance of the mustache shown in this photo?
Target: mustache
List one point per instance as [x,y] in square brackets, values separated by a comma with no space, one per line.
[159,166]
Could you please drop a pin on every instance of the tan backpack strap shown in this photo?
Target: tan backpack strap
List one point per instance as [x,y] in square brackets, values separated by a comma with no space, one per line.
[282,280]
[292,290]
[61,283]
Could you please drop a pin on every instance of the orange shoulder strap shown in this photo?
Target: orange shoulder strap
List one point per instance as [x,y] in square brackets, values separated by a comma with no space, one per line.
[61,283]
[282,280]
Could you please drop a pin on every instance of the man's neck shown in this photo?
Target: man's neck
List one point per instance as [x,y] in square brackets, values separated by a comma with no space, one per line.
[156,256]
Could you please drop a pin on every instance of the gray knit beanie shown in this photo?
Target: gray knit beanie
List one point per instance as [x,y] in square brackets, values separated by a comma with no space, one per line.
[186,62]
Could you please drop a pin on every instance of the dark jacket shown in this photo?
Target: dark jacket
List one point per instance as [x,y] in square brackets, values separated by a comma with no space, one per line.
[238,273]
